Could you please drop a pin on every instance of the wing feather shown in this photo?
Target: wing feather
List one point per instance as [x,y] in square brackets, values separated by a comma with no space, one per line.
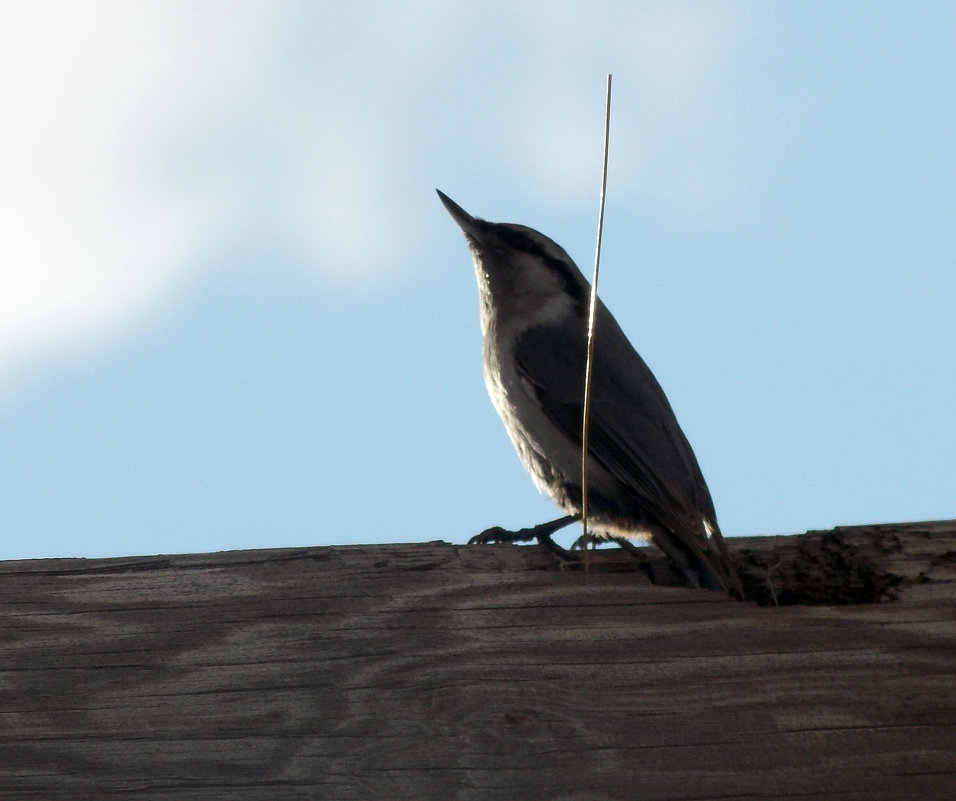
[633,434]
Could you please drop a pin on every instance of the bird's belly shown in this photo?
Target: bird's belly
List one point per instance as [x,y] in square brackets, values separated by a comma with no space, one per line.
[548,453]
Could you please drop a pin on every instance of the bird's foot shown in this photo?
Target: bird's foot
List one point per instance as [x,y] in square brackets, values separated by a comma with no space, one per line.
[496,534]
[631,548]
[644,564]
[592,542]
[542,533]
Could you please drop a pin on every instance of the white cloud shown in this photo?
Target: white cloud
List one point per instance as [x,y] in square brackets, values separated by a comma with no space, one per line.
[90,240]
[140,138]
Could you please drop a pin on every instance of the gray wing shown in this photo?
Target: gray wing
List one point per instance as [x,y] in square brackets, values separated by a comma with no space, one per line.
[633,431]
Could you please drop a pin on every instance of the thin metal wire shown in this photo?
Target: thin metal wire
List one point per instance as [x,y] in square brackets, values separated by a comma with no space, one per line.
[592,313]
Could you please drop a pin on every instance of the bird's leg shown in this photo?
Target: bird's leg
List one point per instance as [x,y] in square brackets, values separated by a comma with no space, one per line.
[644,564]
[637,553]
[631,548]
[542,533]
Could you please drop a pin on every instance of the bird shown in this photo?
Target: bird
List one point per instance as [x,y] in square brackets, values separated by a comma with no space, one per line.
[643,478]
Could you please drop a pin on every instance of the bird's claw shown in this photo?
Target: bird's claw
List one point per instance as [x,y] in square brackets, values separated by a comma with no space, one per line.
[497,534]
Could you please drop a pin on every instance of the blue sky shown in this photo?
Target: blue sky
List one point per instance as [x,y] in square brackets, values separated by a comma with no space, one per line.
[233,313]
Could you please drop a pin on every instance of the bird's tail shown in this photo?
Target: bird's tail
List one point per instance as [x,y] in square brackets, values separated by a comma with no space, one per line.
[705,561]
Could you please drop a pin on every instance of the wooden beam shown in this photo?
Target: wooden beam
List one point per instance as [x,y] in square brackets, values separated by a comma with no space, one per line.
[436,671]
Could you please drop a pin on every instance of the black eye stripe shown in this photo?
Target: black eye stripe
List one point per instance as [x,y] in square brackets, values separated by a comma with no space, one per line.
[524,243]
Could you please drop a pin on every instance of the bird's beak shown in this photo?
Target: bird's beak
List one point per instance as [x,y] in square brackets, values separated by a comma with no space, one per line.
[470,225]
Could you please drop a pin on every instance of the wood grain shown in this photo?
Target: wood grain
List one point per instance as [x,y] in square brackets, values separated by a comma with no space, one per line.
[435,671]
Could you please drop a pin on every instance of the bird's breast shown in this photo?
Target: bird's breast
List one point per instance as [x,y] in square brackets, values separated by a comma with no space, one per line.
[546,452]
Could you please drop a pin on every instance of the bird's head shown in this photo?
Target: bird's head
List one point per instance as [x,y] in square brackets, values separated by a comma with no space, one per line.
[523,276]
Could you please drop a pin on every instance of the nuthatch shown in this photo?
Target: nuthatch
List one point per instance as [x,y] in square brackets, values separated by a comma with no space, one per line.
[643,477]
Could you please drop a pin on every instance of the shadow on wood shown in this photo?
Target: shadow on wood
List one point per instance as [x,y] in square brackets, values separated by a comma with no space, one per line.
[434,671]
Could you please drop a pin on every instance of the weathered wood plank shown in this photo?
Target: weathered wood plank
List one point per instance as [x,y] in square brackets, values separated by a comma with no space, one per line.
[440,671]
